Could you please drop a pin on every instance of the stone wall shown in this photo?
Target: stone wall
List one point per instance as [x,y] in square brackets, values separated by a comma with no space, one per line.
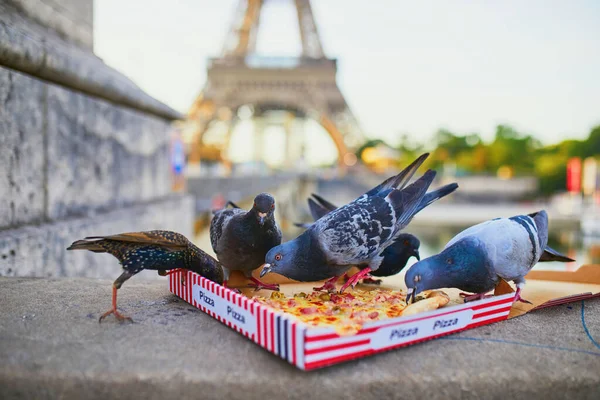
[83,151]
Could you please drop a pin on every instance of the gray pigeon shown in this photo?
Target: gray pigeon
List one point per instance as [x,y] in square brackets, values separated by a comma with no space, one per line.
[354,234]
[476,258]
[395,257]
[241,239]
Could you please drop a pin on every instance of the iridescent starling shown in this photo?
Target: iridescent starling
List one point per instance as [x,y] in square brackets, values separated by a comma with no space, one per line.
[155,250]
[241,239]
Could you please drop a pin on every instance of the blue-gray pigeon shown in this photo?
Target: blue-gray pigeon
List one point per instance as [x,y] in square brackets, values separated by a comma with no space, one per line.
[241,239]
[395,257]
[355,234]
[478,257]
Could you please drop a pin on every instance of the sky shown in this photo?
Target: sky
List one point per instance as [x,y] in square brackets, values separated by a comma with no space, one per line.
[403,66]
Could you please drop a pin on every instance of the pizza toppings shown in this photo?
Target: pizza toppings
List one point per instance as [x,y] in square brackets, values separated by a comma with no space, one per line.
[348,312]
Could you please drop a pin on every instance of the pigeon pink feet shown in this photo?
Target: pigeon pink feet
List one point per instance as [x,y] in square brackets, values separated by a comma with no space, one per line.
[328,286]
[363,273]
[519,298]
[471,297]
[258,285]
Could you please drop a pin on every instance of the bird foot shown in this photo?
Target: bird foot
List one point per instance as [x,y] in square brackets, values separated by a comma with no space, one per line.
[329,285]
[371,281]
[258,285]
[477,296]
[519,298]
[355,278]
[120,317]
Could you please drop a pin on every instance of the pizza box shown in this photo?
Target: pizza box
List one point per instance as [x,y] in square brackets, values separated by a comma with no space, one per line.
[309,347]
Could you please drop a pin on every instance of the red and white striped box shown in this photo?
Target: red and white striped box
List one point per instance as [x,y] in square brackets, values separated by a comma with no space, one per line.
[309,347]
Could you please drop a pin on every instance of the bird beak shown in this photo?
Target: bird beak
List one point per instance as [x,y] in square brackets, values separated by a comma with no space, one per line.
[266,269]
[410,292]
[261,218]
[417,255]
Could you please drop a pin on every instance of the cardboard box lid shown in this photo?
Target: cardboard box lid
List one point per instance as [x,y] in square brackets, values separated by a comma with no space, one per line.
[553,288]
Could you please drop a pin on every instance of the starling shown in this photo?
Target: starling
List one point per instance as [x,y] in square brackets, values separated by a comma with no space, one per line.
[241,239]
[155,250]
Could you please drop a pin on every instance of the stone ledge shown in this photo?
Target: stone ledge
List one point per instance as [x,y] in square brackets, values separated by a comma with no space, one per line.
[39,251]
[72,19]
[37,50]
[52,346]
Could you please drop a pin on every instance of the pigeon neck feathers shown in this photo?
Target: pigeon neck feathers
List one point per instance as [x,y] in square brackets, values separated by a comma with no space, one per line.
[301,259]
[464,265]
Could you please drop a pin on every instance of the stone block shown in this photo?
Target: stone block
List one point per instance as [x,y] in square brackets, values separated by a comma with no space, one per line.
[72,19]
[102,156]
[28,46]
[21,149]
[41,251]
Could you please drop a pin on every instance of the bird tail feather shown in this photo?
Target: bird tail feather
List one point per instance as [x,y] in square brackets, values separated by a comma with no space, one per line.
[316,210]
[436,195]
[406,202]
[401,180]
[550,254]
[304,225]
[324,203]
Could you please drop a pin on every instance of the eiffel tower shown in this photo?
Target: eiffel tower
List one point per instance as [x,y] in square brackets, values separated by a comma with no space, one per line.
[304,86]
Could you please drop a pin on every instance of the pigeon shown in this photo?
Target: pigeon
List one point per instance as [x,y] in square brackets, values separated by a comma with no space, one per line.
[395,257]
[477,258]
[355,234]
[154,250]
[241,239]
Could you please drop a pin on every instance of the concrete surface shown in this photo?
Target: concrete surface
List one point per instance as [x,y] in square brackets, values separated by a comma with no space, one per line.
[52,346]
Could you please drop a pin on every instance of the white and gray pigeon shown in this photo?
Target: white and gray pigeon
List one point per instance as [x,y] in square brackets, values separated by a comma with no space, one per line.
[476,258]
[355,234]
[241,238]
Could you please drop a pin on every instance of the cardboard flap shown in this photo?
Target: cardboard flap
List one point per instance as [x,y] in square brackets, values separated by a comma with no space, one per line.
[552,288]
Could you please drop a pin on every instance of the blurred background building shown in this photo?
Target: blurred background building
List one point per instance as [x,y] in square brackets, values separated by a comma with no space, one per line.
[292,97]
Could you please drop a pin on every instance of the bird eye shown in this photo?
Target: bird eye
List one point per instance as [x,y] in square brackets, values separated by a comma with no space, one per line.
[254,204]
[406,242]
[272,206]
[448,261]
[278,257]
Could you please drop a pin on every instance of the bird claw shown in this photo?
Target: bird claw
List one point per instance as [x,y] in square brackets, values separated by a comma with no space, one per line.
[472,297]
[120,317]
[355,278]
[520,299]
[258,285]
[328,286]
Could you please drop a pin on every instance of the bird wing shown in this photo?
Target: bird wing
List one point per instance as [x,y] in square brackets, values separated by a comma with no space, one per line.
[512,244]
[170,241]
[218,224]
[326,205]
[398,181]
[316,210]
[540,222]
[353,233]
